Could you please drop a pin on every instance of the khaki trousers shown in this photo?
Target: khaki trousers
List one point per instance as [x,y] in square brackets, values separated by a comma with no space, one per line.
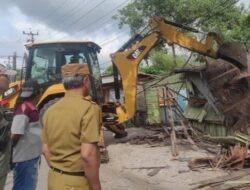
[57,181]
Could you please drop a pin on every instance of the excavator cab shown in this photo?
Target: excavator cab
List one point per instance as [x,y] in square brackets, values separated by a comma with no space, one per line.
[45,62]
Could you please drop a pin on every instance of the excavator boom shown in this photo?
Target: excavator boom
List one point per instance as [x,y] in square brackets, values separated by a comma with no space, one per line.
[232,52]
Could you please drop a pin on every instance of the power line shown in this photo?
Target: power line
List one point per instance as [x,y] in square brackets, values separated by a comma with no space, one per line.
[71,12]
[11,59]
[49,15]
[31,35]
[79,19]
[105,42]
[101,18]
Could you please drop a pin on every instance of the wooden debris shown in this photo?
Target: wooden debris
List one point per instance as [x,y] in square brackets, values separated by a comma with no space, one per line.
[148,168]
[238,182]
[190,140]
[155,169]
[154,172]
[238,138]
[201,163]
[234,158]
[221,183]
[174,148]
[229,140]
[150,139]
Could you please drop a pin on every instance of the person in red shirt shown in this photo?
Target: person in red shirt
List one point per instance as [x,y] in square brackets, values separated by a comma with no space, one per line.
[25,135]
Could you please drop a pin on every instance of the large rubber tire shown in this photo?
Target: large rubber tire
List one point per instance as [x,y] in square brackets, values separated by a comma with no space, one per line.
[46,107]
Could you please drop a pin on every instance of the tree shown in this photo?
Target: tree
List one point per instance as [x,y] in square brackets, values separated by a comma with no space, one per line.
[161,62]
[225,17]
[108,71]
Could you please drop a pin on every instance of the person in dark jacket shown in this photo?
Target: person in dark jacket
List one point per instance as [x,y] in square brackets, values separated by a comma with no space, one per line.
[4,136]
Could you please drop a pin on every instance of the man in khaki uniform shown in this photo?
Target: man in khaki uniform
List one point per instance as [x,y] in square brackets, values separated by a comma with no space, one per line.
[4,135]
[71,133]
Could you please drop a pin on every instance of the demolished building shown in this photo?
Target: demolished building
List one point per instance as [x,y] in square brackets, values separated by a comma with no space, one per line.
[219,98]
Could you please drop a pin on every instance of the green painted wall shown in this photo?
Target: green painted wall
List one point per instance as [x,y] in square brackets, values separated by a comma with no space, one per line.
[153,109]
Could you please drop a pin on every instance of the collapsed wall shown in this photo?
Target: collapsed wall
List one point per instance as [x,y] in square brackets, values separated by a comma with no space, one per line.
[226,89]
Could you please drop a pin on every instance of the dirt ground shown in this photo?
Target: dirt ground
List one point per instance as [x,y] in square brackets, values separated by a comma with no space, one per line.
[123,170]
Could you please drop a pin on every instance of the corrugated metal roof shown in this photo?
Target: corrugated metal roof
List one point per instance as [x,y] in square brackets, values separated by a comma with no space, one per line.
[205,113]
[174,82]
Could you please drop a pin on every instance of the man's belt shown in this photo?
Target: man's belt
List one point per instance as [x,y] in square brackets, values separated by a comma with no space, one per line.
[68,173]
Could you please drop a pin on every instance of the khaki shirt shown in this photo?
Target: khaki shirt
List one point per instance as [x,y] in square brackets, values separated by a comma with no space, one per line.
[73,120]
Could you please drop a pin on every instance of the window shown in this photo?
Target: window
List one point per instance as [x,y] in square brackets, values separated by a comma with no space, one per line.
[96,79]
[76,57]
[43,65]
[47,60]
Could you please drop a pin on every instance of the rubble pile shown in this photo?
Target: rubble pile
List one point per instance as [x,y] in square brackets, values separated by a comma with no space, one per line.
[231,90]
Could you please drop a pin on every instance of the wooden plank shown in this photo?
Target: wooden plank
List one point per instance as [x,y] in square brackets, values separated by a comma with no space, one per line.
[154,172]
[219,180]
[190,140]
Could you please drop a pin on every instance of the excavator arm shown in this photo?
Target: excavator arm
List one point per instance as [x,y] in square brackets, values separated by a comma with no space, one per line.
[127,59]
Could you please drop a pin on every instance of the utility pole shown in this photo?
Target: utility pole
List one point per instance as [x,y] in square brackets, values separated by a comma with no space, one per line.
[9,59]
[14,61]
[31,35]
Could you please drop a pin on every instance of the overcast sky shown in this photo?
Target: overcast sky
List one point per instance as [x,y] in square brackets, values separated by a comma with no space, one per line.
[62,20]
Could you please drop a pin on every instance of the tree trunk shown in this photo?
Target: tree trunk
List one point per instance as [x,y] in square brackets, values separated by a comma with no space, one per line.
[174,55]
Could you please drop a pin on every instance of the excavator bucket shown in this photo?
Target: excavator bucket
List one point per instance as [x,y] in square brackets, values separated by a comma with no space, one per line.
[235,53]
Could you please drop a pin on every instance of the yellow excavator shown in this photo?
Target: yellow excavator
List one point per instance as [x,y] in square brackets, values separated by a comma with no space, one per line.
[45,61]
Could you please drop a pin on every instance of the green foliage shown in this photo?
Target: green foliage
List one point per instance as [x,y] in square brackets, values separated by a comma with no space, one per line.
[161,62]
[152,69]
[242,32]
[225,17]
[108,71]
